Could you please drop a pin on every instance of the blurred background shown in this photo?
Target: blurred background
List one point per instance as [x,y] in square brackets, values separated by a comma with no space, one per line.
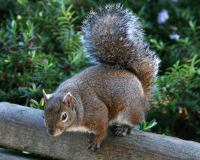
[40,47]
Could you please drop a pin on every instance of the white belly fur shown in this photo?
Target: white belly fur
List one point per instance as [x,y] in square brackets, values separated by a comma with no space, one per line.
[79,129]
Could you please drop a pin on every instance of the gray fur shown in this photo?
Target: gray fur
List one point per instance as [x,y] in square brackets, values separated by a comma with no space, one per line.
[113,35]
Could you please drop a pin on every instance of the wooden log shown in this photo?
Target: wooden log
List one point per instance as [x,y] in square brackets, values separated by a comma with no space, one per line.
[23,128]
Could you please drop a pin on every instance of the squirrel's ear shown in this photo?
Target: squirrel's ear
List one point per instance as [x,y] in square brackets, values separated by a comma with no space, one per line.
[46,96]
[68,99]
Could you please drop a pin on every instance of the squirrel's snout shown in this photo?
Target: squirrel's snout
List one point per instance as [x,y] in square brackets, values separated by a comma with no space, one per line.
[51,132]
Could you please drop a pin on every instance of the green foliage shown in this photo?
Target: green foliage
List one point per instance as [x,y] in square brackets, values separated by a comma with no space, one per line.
[35,104]
[39,49]
[178,100]
[146,126]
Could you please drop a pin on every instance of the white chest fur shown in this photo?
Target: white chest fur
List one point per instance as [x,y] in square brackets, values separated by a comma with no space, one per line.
[79,129]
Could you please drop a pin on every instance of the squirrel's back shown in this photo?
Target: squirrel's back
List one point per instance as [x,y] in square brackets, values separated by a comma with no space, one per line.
[113,36]
[112,85]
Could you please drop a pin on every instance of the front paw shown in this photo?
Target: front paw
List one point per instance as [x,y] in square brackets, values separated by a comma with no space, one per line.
[94,146]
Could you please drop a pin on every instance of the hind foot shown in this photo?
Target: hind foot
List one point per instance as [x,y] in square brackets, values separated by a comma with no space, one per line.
[122,131]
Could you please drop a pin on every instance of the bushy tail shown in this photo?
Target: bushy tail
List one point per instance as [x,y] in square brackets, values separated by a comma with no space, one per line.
[114,36]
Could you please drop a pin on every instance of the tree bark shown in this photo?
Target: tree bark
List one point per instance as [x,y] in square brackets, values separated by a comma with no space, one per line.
[23,128]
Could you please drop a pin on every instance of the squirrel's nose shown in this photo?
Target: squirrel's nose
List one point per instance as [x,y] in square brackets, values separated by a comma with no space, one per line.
[51,132]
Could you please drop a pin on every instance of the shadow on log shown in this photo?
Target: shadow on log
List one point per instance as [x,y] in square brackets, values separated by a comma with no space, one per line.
[23,128]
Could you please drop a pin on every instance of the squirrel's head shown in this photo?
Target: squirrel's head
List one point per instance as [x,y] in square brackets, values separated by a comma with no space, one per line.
[59,113]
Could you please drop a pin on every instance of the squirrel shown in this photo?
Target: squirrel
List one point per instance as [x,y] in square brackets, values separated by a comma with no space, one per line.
[116,90]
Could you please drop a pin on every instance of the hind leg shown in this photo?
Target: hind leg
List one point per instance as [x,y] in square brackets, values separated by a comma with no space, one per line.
[136,116]
[133,117]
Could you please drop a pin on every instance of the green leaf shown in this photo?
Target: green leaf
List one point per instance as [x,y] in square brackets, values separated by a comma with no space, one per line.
[14,25]
[34,103]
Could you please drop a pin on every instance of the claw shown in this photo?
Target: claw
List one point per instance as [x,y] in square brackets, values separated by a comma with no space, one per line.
[94,146]
[89,141]
[121,131]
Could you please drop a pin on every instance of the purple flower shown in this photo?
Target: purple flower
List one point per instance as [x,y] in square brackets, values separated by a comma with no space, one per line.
[162,16]
[174,36]
[174,0]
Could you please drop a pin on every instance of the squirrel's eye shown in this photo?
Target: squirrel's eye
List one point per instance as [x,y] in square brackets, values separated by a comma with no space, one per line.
[64,116]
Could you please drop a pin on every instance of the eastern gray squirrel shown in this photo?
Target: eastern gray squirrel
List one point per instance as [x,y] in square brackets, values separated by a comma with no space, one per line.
[117,90]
